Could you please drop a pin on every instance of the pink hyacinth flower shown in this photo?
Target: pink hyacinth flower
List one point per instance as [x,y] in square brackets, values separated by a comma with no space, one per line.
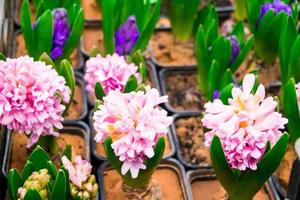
[79,172]
[111,71]
[245,125]
[31,97]
[135,123]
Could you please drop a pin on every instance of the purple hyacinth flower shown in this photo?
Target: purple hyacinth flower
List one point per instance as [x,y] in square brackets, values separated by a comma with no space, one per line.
[216,94]
[61,31]
[235,46]
[126,36]
[277,6]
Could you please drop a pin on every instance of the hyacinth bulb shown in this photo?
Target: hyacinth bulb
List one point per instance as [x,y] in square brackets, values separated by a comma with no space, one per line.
[126,36]
[235,46]
[61,31]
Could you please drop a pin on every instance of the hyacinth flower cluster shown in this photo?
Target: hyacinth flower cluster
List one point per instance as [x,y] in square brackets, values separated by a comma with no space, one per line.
[244,138]
[215,67]
[132,131]
[264,18]
[83,184]
[128,25]
[34,95]
[111,73]
[183,17]
[40,178]
[56,30]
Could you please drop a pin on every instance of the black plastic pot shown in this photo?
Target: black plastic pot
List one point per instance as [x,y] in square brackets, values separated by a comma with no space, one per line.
[209,175]
[293,192]
[180,157]
[6,25]
[14,49]
[169,163]
[163,88]
[84,111]
[99,158]
[78,128]
[151,75]
[2,145]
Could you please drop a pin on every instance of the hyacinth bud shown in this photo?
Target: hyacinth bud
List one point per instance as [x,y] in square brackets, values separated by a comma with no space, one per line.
[61,31]
[126,36]
[88,191]
[277,6]
[235,45]
[216,94]
[37,181]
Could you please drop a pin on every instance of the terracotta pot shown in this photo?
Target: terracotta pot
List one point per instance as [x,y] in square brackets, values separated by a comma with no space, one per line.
[75,133]
[166,174]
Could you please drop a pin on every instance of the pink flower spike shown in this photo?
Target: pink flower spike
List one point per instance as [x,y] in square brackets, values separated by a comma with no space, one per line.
[111,71]
[79,172]
[245,125]
[31,97]
[135,123]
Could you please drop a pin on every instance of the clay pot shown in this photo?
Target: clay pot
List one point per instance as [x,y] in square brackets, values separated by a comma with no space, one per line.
[170,175]
[204,185]
[19,49]
[75,133]
[293,192]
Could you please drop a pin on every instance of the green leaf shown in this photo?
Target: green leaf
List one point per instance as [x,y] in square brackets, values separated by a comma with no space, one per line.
[66,70]
[222,58]
[242,54]
[287,39]
[225,93]
[52,4]
[138,59]
[75,34]
[294,65]
[32,194]
[27,30]
[45,58]
[225,80]
[253,180]
[203,61]
[131,85]
[40,9]
[99,92]
[214,77]
[39,158]
[224,173]
[2,57]
[147,32]
[59,188]
[291,111]
[51,169]
[43,33]
[68,151]
[238,31]
[14,182]
[108,13]
[27,170]
[94,52]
